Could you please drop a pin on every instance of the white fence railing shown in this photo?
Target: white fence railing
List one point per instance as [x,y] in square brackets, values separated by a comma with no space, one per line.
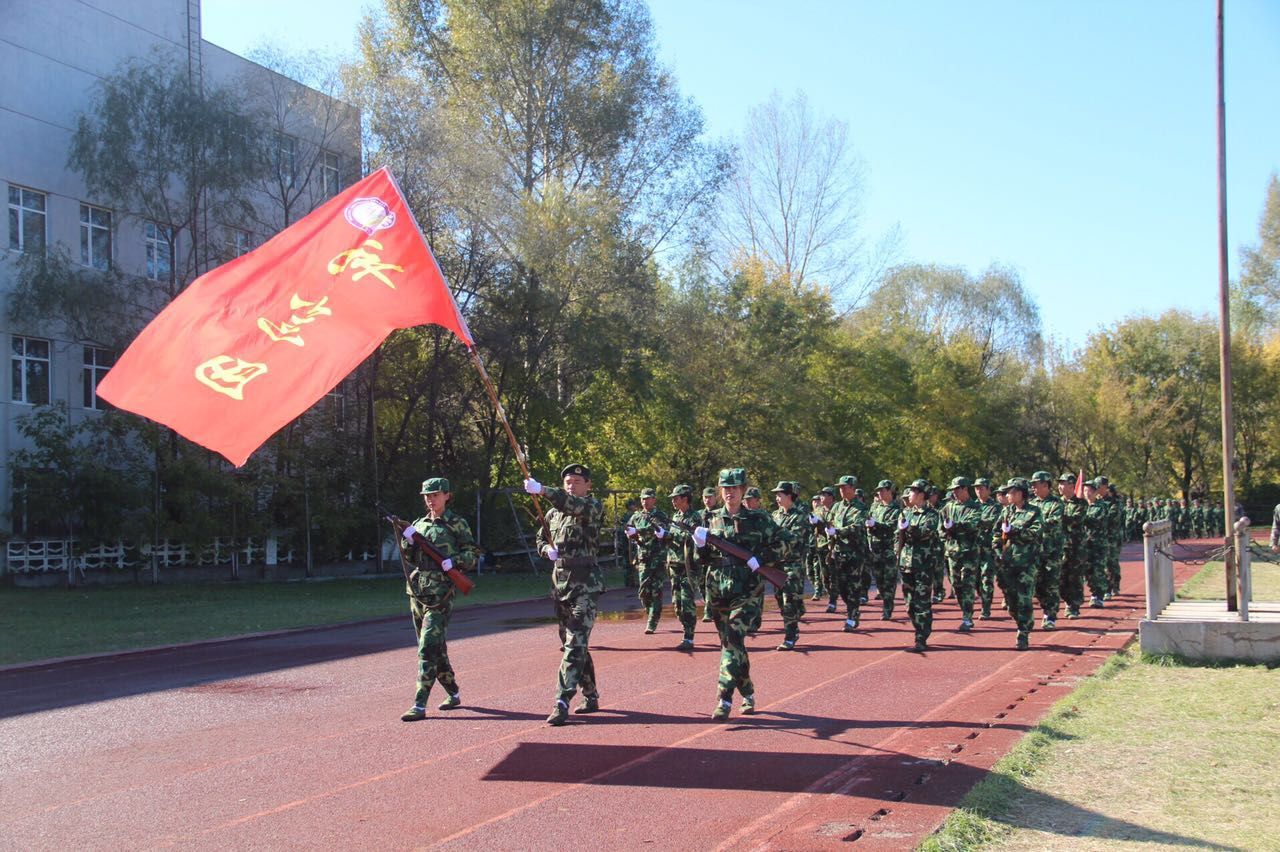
[39,556]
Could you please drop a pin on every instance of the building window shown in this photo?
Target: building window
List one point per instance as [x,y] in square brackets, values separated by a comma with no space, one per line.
[237,243]
[335,401]
[159,241]
[329,174]
[96,364]
[30,370]
[286,157]
[95,237]
[26,219]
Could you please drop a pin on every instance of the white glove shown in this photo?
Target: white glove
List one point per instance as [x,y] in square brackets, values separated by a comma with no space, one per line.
[660,533]
[532,486]
[815,520]
[446,566]
[948,524]
[903,524]
[408,532]
[551,552]
[871,522]
[1006,528]
[700,536]
[831,532]
[753,564]
[630,531]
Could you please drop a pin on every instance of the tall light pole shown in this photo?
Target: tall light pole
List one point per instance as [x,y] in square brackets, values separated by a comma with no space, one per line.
[1224,337]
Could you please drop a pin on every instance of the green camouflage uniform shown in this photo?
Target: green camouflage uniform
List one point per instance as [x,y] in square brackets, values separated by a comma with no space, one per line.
[880,543]
[651,558]
[578,582]
[963,553]
[813,566]
[1020,558]
[431,597]
[1073,558]
[1096,520]
[681,562]
[1115,540]
[848,519]
[987,567]
[730,584]
[1053,544]
[915,547]
[793,522]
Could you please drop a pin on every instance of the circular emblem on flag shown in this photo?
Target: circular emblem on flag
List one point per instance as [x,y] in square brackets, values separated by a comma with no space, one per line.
[369,215]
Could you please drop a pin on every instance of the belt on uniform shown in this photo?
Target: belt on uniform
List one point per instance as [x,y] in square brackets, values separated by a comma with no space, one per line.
[572,562]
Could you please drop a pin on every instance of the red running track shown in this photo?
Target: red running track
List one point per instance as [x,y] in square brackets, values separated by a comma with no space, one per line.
[294,740]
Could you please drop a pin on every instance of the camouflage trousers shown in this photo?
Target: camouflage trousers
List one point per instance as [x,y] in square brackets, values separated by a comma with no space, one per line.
[987,578]
[1113,568]
[730,616]
[939,573]
[813,570]
[964,580]
[1071,583]
[653,576]
[432,623]
[1048,582]
[577,616]
[843,582]
[755,604]
[884,568]
[1020,588]
[1095,569]
[790,600]
[683,600]
[917,592]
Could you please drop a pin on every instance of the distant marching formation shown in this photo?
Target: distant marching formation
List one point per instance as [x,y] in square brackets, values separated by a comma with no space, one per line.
[1033,544]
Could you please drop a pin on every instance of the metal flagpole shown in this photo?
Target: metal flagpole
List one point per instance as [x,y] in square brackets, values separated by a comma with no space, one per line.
[1224,338]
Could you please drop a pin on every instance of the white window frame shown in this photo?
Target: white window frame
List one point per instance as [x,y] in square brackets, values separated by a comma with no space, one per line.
[330,173]
[238,242]
[286,155]
[159,245]
[18,213]
[88,229]
[20,361]
[96,364]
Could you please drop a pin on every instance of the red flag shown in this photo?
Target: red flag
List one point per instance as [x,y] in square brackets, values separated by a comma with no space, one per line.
[251,345]
[1080,484]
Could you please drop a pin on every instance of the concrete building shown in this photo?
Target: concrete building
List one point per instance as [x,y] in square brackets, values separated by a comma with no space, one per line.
[53,53]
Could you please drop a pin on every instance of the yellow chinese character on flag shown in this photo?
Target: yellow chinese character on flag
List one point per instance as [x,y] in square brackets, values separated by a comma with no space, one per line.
[287,332]
[364,262]
[228,375]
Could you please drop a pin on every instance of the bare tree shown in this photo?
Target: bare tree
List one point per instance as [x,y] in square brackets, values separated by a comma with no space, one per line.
[795,200]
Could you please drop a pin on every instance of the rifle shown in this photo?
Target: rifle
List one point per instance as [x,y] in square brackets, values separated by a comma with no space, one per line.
[737,551]
[455,576]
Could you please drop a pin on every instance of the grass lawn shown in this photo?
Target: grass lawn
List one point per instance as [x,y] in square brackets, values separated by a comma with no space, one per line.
[1147,754]
[1211,583]
[37,624]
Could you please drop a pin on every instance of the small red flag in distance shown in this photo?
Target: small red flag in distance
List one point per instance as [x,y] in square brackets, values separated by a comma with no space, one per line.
[252,344]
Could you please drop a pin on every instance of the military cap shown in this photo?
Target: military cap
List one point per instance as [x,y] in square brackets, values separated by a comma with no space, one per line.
[1067,477]
[1041,476]
[647,492]
[828,490]
[1093,483]
[848,480]
[785,487]
[1019,483]
[435,484]
[576,469]
[681,491]
[883,484]
[753,492]
[708,492]
[959,482]
[919,485]
[932,489]
[733,476]
[1002,489]
[1101,480]
[982,482]
[859,493]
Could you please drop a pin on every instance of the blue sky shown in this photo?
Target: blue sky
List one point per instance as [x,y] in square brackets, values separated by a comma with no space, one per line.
[1071,140]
